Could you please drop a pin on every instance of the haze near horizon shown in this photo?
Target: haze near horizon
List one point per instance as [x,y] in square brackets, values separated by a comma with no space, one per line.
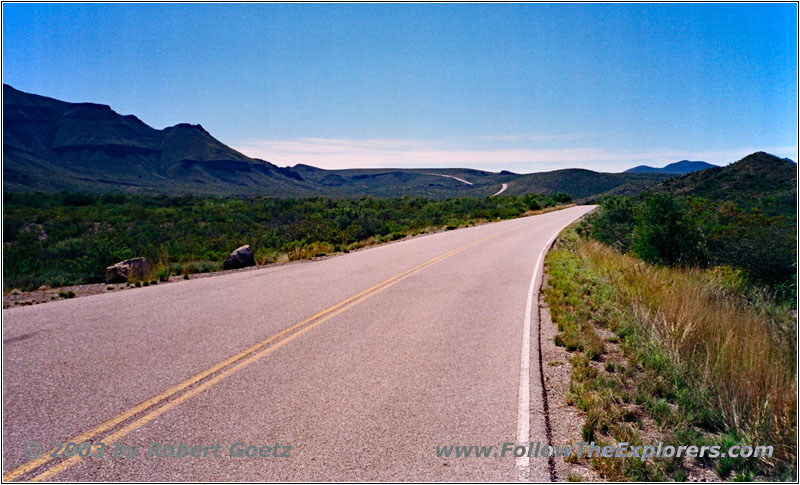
[525,88]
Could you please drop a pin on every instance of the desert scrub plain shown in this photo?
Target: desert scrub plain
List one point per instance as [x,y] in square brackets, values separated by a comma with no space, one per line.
[66,239]
[674,354]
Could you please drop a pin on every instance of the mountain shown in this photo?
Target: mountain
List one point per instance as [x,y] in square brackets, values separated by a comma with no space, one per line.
[682,167]
[51,145]
[757,180]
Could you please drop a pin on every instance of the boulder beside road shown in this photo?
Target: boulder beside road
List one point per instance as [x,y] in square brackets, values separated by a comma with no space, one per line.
[239,258]
[124,270]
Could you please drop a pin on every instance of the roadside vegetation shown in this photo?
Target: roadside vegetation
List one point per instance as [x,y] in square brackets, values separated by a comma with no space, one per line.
[681,317]
[663,229]
[70,238]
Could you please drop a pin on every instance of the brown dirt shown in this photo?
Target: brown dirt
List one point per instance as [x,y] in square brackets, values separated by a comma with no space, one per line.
[565,421]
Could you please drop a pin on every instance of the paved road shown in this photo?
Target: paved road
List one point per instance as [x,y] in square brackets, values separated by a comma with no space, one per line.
[362,363]
[503,188]
[452,177]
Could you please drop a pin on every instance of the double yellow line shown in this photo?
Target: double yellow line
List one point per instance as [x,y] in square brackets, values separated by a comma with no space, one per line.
[218,372]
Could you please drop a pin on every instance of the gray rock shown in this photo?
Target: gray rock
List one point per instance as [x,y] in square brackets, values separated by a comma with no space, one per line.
[122,271]
[240,258]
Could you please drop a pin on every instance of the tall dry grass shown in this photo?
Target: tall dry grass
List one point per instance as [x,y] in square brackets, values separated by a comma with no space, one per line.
[308,251]
[739,345]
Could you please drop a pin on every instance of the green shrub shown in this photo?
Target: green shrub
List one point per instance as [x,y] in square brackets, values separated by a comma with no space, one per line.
[665,234]
[613,223]
[161,272]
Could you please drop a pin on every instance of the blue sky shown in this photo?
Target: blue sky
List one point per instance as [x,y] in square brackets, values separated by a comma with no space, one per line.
[522,87]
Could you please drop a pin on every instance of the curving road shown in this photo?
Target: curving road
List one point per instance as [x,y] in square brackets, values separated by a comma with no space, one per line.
[503,188]
[362,363]
[463,181]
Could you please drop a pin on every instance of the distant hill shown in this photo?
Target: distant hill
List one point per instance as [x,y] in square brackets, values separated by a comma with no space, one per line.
[757,180]
[682,167]
[51,145]
[583,185]
[396,182]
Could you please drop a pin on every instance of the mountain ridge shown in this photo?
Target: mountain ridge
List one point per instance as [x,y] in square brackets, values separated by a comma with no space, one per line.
[681,167]
[52,145]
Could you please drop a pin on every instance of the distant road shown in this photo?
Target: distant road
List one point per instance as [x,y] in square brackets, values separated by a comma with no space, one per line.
[362,363]
[502,189]
[452,177]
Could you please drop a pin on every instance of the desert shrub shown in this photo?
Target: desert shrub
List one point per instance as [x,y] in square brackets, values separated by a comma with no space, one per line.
[613,223]
[60,238]
[665,234]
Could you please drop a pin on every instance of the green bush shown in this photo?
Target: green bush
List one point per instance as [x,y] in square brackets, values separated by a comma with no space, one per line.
[613,223]
[162,272]
[532,202]
[562,198]
[665,234]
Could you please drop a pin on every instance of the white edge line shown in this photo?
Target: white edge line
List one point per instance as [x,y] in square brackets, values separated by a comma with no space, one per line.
[524,400]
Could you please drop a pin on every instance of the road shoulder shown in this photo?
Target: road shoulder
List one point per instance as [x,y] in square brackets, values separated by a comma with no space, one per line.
[566,421]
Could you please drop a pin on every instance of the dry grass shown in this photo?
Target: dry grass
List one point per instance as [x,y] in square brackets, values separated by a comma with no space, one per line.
[309,251]
[736,343]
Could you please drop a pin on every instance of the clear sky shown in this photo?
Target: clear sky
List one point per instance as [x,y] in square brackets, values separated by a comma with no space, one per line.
[521,87]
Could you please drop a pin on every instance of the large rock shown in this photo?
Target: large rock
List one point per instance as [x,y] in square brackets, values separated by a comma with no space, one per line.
[240,258]
[124,270]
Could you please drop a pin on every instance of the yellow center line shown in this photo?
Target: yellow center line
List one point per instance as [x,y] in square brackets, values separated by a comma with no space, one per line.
[244,359]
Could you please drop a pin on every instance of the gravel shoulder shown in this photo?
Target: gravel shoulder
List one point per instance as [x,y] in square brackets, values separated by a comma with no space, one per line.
[566,421]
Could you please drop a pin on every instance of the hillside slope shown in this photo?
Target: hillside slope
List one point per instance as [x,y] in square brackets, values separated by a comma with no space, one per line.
[583,185]
[52,145]
[759,179]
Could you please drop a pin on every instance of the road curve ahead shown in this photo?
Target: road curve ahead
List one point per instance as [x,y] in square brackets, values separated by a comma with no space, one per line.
[357,367]
[503,188]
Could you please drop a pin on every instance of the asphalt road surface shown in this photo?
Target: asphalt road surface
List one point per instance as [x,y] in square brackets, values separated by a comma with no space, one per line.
[503,188]
[363,364]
